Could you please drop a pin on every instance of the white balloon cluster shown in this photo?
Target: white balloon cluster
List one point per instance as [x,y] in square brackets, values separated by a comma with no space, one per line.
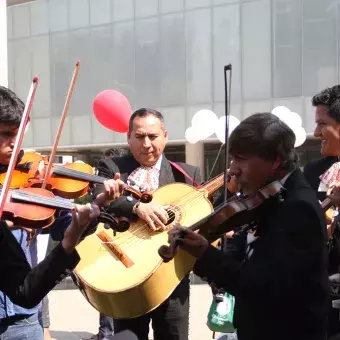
[205,123]
[294,121]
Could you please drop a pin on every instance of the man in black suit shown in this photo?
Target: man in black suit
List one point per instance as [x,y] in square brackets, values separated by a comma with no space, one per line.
[148,167]
[327,119]
[278,274]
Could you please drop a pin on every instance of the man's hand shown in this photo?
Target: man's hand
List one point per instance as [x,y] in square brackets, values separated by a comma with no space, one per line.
[153,213]
[190,241]
[82,215]
[113,188]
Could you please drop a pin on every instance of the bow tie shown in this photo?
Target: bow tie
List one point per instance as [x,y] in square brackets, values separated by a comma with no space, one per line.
[146,178]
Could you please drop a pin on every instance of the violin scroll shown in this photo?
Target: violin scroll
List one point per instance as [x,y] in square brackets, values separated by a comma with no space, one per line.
[143,196]
[167,253]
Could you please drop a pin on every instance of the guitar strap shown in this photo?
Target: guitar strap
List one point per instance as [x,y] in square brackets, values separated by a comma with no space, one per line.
[182,172]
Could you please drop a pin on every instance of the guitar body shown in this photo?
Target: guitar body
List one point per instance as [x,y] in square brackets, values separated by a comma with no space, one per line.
[137,280]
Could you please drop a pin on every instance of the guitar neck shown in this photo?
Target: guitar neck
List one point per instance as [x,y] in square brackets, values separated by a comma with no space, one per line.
[213,185]
[75,174]
[326,204]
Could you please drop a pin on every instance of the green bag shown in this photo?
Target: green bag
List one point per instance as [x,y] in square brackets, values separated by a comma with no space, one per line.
[221,313]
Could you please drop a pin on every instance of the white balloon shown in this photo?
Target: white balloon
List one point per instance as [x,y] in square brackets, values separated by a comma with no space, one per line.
[192,135]
[220,127]
[300,135]
[280,110]
[294,120]
[204,121]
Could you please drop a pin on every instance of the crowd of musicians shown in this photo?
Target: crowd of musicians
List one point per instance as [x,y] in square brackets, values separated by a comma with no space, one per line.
[281,266]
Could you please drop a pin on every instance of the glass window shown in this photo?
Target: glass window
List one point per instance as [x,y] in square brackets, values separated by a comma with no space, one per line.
[235,110]
[42,132]
[79,13]
[226,47]
[172,58]
[256,49]
[101,58]
[11,63]
[21,19]
[81,130]
[65,138]
[58,15]
[145,8]
[61,71]
[218,2]
[174,118]
[287,48]
[10,22]
[319,45]
[167,6]
[22,67]
[309,115]
[79,49]
[147,63]
[123,78]
[39,17]
[122,10]
[293,104]
[197,3]
[28,138]
[41,67]
[249,108]
[100,12]
[198,55]
[100,134]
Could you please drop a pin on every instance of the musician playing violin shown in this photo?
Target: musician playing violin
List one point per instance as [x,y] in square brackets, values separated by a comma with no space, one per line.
[276,265]
[23,286]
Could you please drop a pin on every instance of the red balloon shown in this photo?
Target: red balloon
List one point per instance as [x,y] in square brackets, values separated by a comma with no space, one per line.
[112,110]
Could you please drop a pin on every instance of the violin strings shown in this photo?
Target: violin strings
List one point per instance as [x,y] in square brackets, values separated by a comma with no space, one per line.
[47,201]
[79,175]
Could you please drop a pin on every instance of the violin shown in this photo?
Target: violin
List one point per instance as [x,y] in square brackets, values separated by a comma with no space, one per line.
[37,207]
[70,181]
[228,216]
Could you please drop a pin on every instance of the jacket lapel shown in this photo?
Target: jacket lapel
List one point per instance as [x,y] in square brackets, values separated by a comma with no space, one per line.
[165,175]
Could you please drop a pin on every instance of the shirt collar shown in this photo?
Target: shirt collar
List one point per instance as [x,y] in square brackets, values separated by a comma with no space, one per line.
[159,163]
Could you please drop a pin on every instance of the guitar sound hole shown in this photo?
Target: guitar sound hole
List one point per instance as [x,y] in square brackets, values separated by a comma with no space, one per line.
[172,216]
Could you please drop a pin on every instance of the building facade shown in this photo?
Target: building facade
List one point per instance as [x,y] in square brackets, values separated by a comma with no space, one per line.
[169,55]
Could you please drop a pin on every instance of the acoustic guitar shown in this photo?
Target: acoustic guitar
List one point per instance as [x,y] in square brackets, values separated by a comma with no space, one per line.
[123,276]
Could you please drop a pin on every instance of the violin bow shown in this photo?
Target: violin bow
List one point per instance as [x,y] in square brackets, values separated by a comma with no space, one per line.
[61,124]
[17,146]
[227,114]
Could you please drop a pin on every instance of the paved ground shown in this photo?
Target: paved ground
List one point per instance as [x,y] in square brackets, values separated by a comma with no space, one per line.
[73,318]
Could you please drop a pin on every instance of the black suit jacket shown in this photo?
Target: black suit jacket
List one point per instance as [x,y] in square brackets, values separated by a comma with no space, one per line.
[125,165]
[281,291]
[315,169]
[25,286]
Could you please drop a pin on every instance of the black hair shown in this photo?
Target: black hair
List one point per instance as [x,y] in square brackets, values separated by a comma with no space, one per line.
[143,112]
[11,107]
[329,97]
[266,136]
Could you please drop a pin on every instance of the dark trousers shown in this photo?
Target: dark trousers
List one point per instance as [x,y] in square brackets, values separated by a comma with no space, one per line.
[170,321]
[105,326]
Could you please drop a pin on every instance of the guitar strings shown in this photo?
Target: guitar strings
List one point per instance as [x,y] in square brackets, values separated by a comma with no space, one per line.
[132,238]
